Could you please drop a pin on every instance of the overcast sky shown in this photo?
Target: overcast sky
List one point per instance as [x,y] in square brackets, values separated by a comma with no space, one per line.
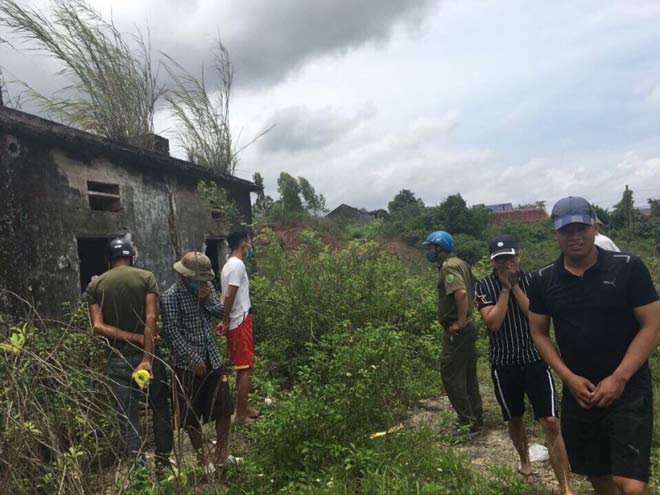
[500,100]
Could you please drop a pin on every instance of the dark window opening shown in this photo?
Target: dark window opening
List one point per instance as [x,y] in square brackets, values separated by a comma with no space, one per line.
[103,196]
[91,253]
[102,187]
[213,252]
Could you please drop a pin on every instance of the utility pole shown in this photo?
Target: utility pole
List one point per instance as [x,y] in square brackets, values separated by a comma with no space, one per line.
[629,207]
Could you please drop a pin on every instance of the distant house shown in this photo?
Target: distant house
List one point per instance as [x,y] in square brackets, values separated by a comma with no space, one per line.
[519,215]
[645,212]
[361,215]
[499,207]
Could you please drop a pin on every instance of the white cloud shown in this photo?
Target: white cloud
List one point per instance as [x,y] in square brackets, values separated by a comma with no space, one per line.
[654,95]
[435,127]
[295,129]
[613,14]
[500,100]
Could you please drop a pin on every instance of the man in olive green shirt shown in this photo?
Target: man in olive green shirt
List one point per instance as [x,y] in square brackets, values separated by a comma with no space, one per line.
[122,308]
[458,361]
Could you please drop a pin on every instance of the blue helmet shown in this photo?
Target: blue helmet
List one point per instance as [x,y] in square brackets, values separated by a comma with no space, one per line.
[441,239]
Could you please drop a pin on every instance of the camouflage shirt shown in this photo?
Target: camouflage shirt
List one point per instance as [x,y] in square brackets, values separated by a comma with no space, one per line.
[455,274]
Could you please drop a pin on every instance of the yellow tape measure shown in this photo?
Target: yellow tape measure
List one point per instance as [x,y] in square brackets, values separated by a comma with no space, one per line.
[141,377]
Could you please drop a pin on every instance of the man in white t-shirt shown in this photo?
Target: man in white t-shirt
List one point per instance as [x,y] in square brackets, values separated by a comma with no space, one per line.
[237,320]
[604,242]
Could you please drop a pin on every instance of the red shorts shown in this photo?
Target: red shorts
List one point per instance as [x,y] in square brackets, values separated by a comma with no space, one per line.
[241,345]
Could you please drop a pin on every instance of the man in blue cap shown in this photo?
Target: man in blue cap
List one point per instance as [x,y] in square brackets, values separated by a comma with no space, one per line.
[458,361]
[606,317]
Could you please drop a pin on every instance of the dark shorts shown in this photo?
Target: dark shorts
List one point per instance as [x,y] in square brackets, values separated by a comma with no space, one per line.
[201,399]
[511,383]
[612,441]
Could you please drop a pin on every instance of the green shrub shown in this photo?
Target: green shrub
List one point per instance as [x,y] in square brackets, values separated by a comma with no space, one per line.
[355,382]
[59,426]
[468,248]
[410,461]
[302,295]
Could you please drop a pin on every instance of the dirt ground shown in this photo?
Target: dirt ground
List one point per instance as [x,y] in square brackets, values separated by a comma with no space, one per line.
[492,446]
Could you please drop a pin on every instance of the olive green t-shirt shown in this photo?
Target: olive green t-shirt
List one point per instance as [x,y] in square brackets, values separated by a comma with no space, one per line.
[121,292]
[455,274]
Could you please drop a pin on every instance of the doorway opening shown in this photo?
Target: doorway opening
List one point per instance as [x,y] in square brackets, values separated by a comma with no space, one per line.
[212,250]
[91,255]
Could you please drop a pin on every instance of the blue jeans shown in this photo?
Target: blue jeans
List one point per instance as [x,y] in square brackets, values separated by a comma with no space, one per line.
[128,398]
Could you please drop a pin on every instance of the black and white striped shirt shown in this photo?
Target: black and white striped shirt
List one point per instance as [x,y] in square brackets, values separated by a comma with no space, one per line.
[513,344]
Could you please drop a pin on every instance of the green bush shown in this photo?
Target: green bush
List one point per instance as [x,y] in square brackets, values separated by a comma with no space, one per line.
[59,426]
[302,295]
[355,382]
[469,249]
[410,461]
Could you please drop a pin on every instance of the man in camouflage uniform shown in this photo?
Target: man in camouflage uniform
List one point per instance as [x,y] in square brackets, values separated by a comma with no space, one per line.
[458,361]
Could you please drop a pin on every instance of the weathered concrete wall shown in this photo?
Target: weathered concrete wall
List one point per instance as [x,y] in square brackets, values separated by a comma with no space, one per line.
[14,255]
[46,208]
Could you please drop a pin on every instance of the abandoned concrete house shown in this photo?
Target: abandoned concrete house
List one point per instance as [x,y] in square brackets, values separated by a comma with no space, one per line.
[65,193]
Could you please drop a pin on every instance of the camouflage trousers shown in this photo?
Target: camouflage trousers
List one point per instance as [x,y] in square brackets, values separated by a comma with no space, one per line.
[458,368]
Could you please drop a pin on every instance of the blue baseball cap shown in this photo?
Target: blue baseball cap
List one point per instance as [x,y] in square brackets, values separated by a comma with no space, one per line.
[573,209]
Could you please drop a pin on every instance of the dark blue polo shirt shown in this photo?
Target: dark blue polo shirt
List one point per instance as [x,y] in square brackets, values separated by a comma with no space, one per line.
[593,315]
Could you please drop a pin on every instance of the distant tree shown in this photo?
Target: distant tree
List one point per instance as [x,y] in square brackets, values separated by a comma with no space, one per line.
[411,220]
[404,200]
[263,203]
[406,215]
[603,214]
[430,218]
[468,248]
[314,203]
[289,190]
[624,213]
[655,207]
[298,199]
[461,219]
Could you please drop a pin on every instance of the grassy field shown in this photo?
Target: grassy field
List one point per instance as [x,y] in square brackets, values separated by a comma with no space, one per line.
[348,347]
